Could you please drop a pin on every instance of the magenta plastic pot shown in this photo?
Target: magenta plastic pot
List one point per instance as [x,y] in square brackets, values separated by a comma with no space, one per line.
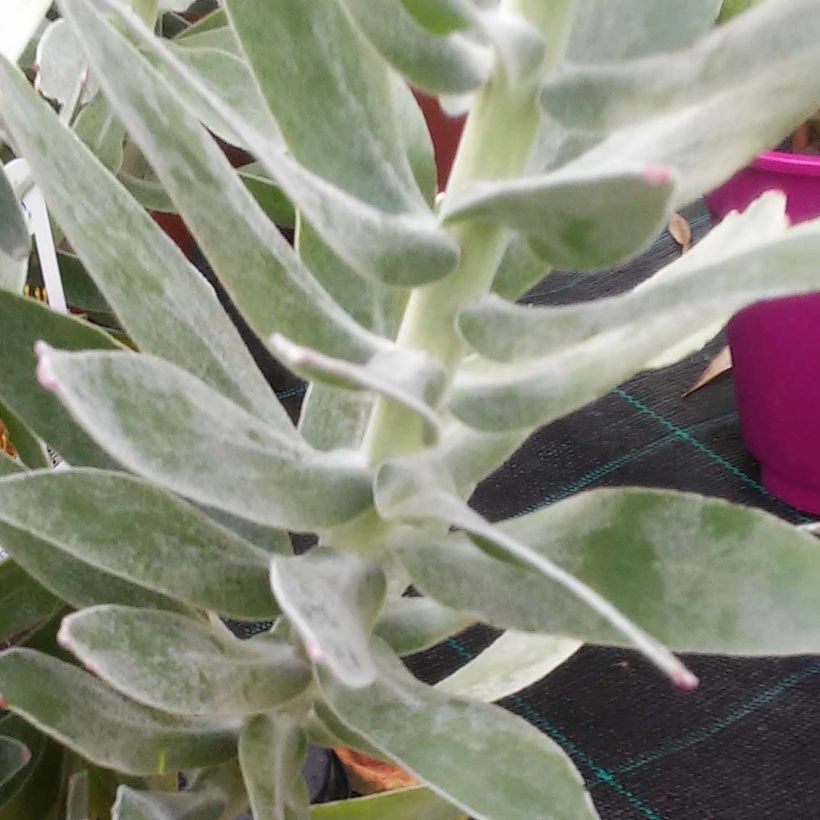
[776,345]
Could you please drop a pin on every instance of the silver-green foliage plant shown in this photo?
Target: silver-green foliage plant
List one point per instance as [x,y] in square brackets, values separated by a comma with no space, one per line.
[589,122]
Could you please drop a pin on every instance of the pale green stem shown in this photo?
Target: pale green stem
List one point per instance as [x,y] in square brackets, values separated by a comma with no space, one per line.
[497,143]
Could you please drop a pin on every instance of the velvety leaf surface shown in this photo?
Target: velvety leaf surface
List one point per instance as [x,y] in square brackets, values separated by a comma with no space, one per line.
[89,717]
[92,521]
[446,741]
[163,423]
[332,599]
[182,666]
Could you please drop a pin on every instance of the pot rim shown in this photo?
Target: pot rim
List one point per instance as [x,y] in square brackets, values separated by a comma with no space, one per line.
[782,162]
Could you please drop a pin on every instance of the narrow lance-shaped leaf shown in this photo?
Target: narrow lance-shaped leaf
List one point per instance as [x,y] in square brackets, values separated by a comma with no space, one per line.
[133,804]
[174,313]
[22,322]
[23,602]
[29,449]
[408,488]
[209,795]
[333,600]
[76,583]
[35,789]
[216,58]
[136,532]
[701,574]
[332,418]
[405,377]
[344,127]
[412,624]
[644,326]
[576,220]
[718,276]
[182,666]
[252,259]
[271,752]
[440,16]
[400,248]
[509,664]
[448,64]
[93,720]
[77,796]
[60,67]
[518,270]
[13,757]
[446,741]
[674,110]
[102,132]
[402,804]
[161,422]
[609,30]
[15,242]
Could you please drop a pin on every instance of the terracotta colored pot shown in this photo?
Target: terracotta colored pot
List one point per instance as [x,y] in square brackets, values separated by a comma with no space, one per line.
[776,345]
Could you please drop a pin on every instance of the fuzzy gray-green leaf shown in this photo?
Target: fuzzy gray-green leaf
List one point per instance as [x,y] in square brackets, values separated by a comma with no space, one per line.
[133,804]
[162,423]
[75,582]
[413,624]
[446,741]
[23,322]
[332,599]
[247,252]
[400,248]
[271,752]
[576,220]
[399,804]
[701,574]
[23,602]
[180,665]
[130,530]
[448,64]
[565,353]
[89,717]
[609,30]
[15,242]
[675,109]
[174,313]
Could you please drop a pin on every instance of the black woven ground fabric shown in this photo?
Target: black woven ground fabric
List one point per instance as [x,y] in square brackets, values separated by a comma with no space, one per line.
[746,744]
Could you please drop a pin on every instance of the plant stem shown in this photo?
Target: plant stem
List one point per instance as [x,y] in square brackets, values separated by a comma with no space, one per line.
[496,143]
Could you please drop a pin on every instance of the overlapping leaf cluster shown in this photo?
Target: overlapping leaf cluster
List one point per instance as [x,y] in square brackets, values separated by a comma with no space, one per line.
[590,121]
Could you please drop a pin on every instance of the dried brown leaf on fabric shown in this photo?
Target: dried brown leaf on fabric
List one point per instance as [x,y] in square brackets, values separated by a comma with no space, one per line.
[680,231]
[719,364]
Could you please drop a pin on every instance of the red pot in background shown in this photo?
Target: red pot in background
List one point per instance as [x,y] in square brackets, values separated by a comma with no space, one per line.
[776,344]
[446,133]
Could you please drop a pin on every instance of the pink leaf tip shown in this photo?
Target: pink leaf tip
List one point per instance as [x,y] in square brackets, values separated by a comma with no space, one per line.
[314,652]
[685,680]
[45,375]
[657,174]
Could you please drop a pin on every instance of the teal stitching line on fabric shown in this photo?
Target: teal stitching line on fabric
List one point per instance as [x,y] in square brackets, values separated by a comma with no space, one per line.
[699,445]
[601,775]
[291,391]
[757,702]
[604,470]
